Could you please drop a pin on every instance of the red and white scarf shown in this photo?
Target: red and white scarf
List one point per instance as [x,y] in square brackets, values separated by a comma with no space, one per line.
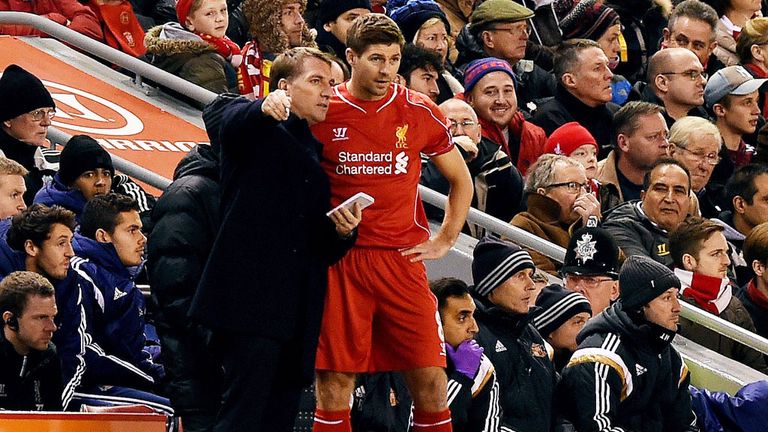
[225,47]
[756,295]
[710,293]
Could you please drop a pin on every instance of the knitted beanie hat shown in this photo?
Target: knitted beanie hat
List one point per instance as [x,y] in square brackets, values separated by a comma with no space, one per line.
[329,10]
[567,138]
[556,305]
[182,10]
[589,19]
[479,68]
[21,92]
[412,15]
[495,261]
[641,280]
[82,153]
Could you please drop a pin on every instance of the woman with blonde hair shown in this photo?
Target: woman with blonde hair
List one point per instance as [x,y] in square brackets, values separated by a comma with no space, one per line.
[752,49]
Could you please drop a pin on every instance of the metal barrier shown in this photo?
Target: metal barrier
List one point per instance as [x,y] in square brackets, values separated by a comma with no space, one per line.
[524,238]
[108,53]
[125,166]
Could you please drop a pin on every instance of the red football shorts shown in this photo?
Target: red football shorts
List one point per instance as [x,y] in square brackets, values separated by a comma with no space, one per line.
[379,315]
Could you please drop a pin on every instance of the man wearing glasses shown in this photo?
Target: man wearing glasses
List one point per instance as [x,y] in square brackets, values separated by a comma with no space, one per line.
[695,142]
[591,266]
[559,201]
[676,81]
[502,29]
[25,117]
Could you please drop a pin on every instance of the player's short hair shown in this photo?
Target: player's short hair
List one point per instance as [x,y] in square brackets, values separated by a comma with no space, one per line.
[103,212]
[373,29]
[627,119]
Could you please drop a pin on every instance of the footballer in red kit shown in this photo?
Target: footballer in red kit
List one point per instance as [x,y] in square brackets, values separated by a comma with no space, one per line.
[379,313]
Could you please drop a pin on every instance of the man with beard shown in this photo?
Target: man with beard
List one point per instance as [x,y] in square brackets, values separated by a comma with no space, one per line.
[624,373]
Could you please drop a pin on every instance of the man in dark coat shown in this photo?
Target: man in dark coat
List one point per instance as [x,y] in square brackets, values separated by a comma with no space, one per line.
[30,371]
[624,374]
[24,125]
[263,288]
[186,220]
[526,376]
[583,94]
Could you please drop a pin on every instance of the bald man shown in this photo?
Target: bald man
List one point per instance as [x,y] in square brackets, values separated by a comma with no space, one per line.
[483,156]
[676,81]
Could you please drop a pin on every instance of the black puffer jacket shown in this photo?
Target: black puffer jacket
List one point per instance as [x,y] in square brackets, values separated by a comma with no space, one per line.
[525,374]
[186,220]
[625,375]
[636,234]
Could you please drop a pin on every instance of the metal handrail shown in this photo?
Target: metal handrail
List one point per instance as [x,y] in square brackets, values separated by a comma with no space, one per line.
[524,238]
[108,53]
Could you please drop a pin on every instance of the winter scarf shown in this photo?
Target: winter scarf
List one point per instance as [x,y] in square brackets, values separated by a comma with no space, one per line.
[710,293]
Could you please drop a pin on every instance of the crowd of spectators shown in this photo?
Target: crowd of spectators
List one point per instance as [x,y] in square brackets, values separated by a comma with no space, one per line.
[630,133]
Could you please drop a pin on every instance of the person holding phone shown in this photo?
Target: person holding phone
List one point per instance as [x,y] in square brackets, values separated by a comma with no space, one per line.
[263,288]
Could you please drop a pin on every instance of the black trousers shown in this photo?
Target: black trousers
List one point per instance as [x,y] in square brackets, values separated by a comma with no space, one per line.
[261,383]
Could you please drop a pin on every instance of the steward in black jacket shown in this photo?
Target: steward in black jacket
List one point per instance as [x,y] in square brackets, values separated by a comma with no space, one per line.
[624,374]
[525,373]
[31,382]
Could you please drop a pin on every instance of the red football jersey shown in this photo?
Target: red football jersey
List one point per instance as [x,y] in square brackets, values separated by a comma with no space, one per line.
[375,147]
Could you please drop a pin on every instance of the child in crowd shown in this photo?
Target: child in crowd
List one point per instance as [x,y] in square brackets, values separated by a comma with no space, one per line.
[196,47]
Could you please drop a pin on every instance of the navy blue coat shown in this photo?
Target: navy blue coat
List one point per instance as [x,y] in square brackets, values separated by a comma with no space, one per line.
[267,271]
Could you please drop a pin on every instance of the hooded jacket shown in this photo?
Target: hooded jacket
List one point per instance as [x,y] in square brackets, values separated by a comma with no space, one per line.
[625,375]
[528,139]
[118,310]
[29,382]
[186,55]
[524,371]
[56,193]
[185,219]
[83,361]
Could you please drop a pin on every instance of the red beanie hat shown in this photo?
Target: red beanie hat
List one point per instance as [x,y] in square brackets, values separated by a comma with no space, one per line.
[182,10]
[567,138]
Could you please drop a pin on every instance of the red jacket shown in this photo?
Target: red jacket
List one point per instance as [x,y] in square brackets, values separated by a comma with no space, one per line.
[80,17]
[532,139]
